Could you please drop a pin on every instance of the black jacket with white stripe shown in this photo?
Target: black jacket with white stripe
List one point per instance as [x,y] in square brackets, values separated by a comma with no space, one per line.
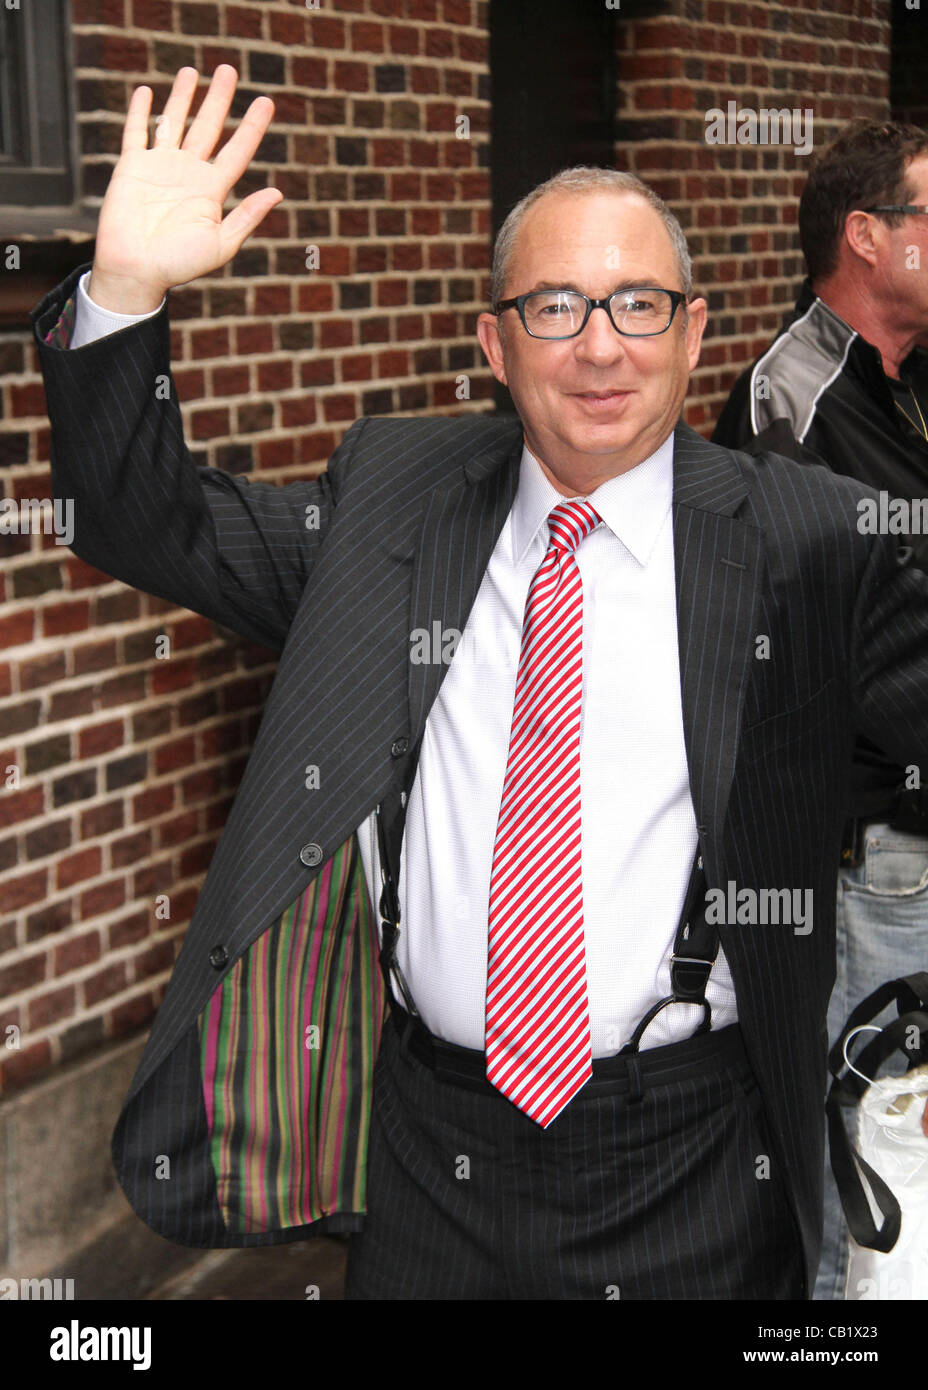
[819,395]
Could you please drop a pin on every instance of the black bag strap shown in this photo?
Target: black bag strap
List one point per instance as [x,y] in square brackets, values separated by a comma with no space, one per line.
[853,1198]
[910,994]
[695,947]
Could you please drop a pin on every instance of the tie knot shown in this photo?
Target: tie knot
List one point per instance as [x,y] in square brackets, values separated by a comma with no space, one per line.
[569,522]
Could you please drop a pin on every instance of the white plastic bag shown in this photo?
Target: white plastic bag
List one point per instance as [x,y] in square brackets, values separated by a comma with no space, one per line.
[891,1139]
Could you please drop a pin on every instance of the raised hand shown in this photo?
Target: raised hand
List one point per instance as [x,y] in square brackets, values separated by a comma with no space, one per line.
[161,222]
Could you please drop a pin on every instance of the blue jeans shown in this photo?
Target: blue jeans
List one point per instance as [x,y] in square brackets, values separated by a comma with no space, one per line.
[882,933]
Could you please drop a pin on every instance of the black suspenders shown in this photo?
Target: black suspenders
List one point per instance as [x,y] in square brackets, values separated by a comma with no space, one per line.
[390,906]
[695,946]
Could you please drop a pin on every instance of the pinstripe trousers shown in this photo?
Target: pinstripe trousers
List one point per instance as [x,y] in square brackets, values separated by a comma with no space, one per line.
[657,1181]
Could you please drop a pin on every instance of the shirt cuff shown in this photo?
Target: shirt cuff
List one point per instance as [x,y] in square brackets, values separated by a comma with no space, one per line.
[90,321]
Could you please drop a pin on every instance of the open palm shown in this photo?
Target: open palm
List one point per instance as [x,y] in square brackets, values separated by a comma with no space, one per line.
[161,223]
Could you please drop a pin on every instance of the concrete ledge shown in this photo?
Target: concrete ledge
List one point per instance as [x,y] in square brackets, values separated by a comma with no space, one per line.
[64,1216]
[301,1270]
[58,1188]
[128,1261]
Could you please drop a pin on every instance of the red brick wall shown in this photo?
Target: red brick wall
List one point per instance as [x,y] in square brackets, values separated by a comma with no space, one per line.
[738,203]
[128,764]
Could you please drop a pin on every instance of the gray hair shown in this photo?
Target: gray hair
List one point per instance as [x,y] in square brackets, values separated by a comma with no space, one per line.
[586,178]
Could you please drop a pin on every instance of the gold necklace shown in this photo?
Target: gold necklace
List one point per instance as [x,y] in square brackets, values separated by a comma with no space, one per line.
[920,415]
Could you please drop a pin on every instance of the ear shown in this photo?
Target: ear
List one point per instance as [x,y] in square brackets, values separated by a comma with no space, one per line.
[863,233]
[696,312]
[488,332]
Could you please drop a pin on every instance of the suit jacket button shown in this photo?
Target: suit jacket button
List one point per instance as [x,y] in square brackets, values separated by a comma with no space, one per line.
[311,854]
[218,957]
[398,747]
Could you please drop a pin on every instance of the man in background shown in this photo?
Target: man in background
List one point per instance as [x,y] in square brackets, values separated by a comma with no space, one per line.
[846,384]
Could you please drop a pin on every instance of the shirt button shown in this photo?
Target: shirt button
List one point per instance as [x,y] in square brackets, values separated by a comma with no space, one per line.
[311,854]
[218,957]
[398,747]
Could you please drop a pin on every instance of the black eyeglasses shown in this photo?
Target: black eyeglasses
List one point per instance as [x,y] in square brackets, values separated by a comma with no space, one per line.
[640,312]
[899,207]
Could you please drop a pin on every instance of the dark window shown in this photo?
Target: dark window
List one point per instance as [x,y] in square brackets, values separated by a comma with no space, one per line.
[36,156]
[552,98]
[552,92]
[908,71]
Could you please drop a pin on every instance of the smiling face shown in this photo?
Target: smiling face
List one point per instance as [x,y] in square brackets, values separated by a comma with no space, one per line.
[598,404]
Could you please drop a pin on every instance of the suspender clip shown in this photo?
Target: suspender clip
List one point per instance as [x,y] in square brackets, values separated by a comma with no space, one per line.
[689,975]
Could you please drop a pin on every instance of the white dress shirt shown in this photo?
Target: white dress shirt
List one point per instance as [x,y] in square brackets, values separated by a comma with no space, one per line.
[638,828]
[638,832]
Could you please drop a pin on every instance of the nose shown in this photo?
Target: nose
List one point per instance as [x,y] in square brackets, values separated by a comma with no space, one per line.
[599,342]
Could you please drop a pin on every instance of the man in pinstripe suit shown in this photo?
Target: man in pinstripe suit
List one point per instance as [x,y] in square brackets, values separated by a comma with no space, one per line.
[723,599]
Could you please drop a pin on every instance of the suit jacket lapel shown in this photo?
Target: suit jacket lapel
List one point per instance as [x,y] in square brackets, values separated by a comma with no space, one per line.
[461,526]
[718,569]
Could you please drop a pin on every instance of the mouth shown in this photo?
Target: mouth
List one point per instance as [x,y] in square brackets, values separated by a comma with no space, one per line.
[600,400]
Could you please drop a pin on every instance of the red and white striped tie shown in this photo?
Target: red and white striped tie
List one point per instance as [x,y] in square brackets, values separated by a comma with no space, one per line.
[538,1045]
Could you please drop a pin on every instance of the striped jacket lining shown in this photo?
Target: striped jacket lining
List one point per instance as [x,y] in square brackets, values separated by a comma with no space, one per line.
[287,1049]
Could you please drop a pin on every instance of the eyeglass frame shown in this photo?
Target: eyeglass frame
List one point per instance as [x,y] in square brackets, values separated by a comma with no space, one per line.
[677,297]
[899,207]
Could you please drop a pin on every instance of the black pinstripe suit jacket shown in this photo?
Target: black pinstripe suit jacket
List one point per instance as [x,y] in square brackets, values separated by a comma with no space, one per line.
[408,513]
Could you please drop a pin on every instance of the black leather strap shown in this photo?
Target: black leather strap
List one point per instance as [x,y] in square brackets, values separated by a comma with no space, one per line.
[695,947]
[910,994]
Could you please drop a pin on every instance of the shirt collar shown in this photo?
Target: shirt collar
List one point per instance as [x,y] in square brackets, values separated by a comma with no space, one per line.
[633,505]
